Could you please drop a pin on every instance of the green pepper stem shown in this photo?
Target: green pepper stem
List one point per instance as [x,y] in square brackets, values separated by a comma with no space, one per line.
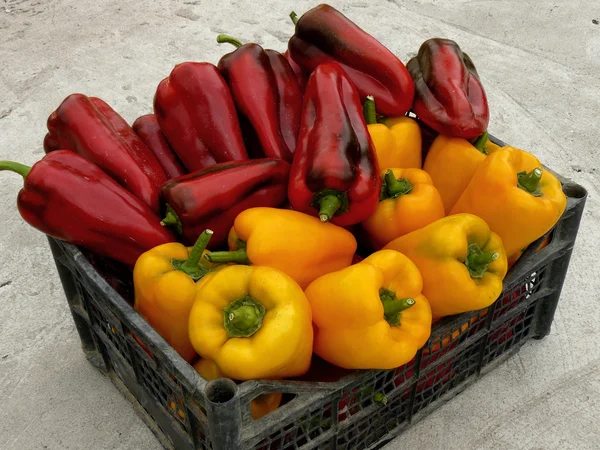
[236,256]
[393,306]
[243,317]
[328,206]
[480,142]
[223,38]
[396,187]
[192,265]
[294,17]
[16,167]
[530,181]
[171,219]
[477,260]
[369,110]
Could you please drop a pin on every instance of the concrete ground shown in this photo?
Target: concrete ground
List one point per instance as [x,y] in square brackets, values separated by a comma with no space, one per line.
[540,64]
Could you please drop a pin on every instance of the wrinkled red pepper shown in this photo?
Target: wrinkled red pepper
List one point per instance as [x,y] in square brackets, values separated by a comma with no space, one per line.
[234,187]
[147,128]
[449,96]
[70,198]
[197,115]
[335,174]
[323,34]
[266,92]
[301,75]
[91,128]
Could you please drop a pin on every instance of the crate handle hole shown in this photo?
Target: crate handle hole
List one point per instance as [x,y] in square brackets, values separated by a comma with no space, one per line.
[220,390]
[574,191]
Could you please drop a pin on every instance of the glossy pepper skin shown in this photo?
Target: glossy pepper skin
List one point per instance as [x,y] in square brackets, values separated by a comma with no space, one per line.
[259,407]
[408,201]
[253,322]
[297,244]
[397,140]
[335,173]
[68,197]
[462,263]
[451,163]
[166,280]
[449,96]
[196,113]
[91,128]
[323,35]
[233,187]
[371,315]
[301,75]
[147,128]
[516,197]
[266,92]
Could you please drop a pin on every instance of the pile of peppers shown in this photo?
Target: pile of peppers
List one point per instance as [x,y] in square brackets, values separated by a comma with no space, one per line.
[328,200]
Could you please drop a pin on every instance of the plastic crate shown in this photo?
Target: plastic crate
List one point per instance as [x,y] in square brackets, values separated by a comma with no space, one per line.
[359,410]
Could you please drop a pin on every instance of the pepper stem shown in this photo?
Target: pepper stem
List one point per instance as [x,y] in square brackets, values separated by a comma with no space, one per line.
[369,110]
[294,17]
[171,219]
[223,38]
[477,260]
[395,188]
[243,317]
[328,206]
[236,256]
[192,265]
[480,142]
[530,181]
[16,167]
[393,306]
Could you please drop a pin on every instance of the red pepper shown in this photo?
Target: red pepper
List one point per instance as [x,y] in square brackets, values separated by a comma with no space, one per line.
[449,96]
[70,198]
[335,171]
[212,198]
[196,113]
[91,128]
[323,34]
[147,128]
[266,92]
[301,75]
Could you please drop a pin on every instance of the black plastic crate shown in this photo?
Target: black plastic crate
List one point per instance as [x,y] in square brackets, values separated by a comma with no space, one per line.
[361,409]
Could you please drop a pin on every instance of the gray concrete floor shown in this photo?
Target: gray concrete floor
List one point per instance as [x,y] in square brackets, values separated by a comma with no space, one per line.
[540,64]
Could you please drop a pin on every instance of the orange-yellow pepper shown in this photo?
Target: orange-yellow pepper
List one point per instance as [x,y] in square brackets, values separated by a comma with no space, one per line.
[297,244]
[397,140]
[166,279]
[462,263]
[408,201]
[371,315]
[253,322]
[259,407]
[451,163]
[517,198]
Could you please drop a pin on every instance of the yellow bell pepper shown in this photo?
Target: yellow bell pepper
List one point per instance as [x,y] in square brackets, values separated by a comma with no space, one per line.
[299,245]
[517,198]
[451,163]
[253,322]
[408,201]
[371,315]
[462,263]
[166,279]
[397,140]
[259,407]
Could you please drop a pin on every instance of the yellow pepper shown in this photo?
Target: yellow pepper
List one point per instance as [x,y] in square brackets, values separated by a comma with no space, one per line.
[451,163]
[259,407]
[253,322]
[408,201]
[297,244]
[397,140]
[166,279]
[517,198]
[371,315]
[462,263]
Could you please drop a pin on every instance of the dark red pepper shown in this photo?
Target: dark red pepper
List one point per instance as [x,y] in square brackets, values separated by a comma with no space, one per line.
[335,174]
[212,198]
[91,128]
[449,96]
[266,92]
[323,34]
[197,115]
[147,128]
[301,75]
[70,198]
